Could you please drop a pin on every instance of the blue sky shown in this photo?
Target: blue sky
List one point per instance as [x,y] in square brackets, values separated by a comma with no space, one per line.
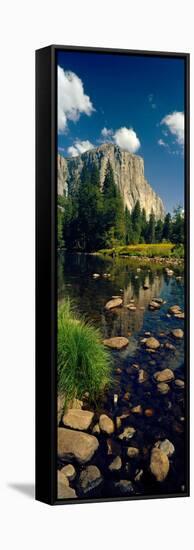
[134,101]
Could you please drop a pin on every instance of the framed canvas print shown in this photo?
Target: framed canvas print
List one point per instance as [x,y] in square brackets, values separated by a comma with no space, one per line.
[112,274]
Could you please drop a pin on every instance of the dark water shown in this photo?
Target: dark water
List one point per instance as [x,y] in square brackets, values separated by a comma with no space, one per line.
[90,295]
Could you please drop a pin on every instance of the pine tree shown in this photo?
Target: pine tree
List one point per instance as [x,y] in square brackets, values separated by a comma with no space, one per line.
[177,231]
[128,227]
[151,228]
[159,231]
[136,219]
[167,228]
[143,225]
[113,210]
[60,224]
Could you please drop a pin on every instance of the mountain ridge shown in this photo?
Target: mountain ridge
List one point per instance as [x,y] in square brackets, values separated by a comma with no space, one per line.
[128,171]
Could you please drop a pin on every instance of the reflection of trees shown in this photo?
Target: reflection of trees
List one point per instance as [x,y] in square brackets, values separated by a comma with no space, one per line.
[75,280]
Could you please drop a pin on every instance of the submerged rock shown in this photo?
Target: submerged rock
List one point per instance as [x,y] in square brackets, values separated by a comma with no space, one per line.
[169,346]
[131,307]
[173,310]
[116,464]
[117,342]
[77,445]
[159,464]
[132,452]
[179,383]
[166,446]
[154,305]
[90,478]
[106,424]
[177,333]
[165,375]
[78,419]
[127,433]
[149,412]
[116,302]
[124,486]
[142,376]
[137,409]
[152,343]
[163,388]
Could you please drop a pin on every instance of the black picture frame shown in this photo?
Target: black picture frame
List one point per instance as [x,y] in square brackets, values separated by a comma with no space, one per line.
[46,269]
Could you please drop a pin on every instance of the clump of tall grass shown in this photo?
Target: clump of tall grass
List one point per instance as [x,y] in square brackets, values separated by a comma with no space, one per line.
[84,364]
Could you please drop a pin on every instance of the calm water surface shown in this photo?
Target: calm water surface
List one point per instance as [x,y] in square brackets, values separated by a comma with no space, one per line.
[75,280]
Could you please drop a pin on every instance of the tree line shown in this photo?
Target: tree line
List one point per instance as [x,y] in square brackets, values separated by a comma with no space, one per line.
[95,218]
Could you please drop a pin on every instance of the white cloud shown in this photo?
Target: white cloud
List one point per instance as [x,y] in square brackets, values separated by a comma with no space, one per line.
[162,143]
[79,147]
[126,138]
[106,133]
[175,123]
[72,101]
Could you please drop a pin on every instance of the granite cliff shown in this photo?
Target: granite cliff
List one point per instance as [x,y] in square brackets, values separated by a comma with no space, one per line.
[128,172]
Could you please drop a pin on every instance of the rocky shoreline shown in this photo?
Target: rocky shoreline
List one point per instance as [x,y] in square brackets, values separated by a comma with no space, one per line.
[132,442]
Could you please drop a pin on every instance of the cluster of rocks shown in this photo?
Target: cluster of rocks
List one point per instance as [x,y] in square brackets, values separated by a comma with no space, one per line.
[84,434]
[79,440]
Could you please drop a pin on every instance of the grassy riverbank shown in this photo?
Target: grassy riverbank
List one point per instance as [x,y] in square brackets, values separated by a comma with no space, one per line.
[84,364]
[163,250]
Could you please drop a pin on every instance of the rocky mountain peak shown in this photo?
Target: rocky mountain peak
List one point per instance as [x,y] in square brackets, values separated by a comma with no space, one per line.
[128,173]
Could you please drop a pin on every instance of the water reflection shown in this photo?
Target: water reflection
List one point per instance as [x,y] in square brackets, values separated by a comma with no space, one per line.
[126,279]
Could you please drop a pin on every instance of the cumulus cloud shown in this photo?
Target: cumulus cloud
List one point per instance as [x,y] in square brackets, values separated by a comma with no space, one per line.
[72,100]
[175,124]
[106,132]
[79,147]
[126,139]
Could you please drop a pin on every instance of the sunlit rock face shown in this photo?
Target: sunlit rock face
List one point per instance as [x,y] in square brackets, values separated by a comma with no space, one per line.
[128,173]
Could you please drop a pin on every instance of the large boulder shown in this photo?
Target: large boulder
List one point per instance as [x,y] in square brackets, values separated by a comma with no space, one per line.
[117,342]
[159,464]
[116,302]
[90,478]
[106,424]
[69,471]
[166,447]
[76,445]
[63,489]
[78,419]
